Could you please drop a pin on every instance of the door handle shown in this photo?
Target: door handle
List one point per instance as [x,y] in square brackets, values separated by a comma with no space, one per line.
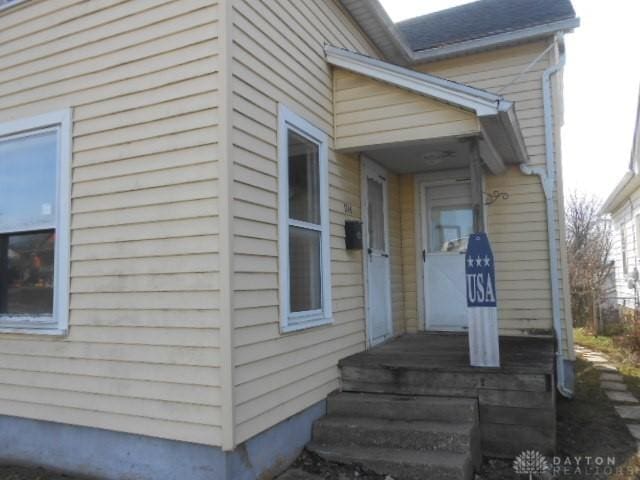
[424,256]
[369,251]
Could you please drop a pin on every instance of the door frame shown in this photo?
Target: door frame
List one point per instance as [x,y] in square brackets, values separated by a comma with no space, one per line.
[368,166]
[422,182]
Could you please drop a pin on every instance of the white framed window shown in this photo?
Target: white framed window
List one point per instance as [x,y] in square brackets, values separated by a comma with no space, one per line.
[35,175]
[305,264]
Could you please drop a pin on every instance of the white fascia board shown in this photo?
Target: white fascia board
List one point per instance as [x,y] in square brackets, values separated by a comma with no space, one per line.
[463,96]
[490,155]
[620,192]
[494,41]
[512,128]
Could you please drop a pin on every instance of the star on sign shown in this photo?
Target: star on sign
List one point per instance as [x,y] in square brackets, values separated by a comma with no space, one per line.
[478,261]
[486,260]
[471,262]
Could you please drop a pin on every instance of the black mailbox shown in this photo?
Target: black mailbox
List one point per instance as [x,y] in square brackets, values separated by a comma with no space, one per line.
[353,234]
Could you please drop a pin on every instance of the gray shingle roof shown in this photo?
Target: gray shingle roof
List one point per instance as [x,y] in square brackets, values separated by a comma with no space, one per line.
[481,19]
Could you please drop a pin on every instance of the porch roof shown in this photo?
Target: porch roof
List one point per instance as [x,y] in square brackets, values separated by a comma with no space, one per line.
[469,111]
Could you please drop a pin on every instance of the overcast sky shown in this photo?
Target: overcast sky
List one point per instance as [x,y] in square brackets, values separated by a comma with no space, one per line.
[602,78]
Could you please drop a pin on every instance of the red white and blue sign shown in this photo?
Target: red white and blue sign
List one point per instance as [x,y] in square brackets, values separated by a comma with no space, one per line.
[482,312]
[480,272]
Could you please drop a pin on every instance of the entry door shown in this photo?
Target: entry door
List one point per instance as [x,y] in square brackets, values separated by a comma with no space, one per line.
[447,224]
[377,254]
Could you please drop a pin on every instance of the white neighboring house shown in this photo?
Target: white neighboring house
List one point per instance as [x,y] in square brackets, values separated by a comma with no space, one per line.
[623,205]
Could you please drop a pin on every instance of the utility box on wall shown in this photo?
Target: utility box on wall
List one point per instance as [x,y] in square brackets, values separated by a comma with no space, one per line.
[353,234]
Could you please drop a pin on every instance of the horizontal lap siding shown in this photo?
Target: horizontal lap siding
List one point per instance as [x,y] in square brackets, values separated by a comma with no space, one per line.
[370,113]
[517,225]
[625,219]
[394,218]
[278,57]
[142,355]
[409,239]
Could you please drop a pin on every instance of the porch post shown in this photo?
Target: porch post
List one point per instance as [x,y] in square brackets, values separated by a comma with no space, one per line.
[477,199]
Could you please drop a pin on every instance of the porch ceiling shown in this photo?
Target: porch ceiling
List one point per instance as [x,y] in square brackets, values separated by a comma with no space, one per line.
[426,156]
[379,105]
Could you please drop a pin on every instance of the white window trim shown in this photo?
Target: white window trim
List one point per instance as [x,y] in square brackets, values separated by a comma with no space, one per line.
[58,322]
[4,6]
[290,322]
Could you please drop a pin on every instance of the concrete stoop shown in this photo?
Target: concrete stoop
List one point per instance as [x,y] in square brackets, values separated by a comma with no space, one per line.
[406,437]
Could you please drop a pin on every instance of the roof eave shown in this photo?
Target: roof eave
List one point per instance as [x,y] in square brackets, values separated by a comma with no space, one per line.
[622,190]
[494,41]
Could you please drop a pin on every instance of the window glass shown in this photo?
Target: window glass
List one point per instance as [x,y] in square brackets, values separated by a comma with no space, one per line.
[26,273]
[450,229]
[28,182]
[304,179]
[375,202]
[304,270]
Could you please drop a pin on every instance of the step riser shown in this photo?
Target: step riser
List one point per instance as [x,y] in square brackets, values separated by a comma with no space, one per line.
[402,410]
[426,382]
[405,471]
[388,438]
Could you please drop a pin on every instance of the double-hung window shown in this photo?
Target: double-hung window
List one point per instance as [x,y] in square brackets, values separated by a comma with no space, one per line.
[305,276]
[34,223]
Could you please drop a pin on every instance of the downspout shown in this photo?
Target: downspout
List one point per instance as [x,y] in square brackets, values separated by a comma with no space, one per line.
[548,181]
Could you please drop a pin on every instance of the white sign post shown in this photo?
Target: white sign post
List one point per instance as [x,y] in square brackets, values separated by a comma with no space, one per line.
[482,314]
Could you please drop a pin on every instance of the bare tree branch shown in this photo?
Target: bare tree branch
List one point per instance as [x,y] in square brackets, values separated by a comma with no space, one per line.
[589,246]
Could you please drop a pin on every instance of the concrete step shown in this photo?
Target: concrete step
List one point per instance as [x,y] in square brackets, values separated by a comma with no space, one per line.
[400,464]
[298,474]
[410,435]
[403,407]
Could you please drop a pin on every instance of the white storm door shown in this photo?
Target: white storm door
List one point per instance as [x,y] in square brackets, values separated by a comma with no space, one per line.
[447,223]
[377,254]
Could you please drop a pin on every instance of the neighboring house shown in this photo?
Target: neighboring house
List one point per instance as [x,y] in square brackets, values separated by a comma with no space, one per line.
[623,207]
[175,176]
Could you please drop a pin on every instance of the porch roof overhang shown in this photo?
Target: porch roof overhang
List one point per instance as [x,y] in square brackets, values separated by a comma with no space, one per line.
[501,141]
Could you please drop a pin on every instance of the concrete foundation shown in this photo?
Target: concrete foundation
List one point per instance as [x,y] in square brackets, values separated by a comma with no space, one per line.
[110,455]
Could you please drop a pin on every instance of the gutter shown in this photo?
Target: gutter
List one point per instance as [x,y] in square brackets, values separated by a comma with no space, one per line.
[549,184]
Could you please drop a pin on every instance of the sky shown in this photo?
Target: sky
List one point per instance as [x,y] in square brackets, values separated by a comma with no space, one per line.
[601,82]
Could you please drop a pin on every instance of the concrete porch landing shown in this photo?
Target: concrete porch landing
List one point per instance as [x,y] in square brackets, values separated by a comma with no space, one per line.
[516,402]
[449,352]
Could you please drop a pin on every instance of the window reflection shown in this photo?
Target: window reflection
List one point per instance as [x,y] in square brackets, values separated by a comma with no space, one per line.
[26,273]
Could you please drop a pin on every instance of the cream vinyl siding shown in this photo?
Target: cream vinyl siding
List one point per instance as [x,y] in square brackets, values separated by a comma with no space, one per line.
[278,56]
[518,226]
[394,216]
[142,354]
[369,113]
